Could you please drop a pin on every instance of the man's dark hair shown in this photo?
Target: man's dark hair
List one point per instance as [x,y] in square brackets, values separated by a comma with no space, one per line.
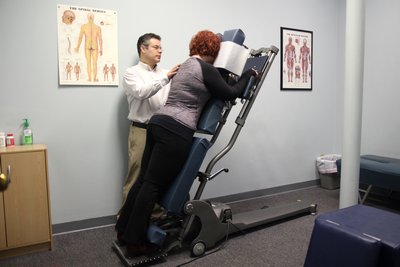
[145,40]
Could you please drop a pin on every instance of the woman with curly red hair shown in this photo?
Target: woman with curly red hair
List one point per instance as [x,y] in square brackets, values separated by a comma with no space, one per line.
[169,136]
[205,44]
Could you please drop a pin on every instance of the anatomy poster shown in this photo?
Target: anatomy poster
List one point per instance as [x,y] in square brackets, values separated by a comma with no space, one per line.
[87,46]
[296,59]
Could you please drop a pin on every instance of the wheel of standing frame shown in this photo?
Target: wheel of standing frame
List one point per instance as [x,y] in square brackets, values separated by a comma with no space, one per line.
[198,249]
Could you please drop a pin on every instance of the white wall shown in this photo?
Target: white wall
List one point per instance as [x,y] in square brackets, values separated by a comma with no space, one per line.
[287,130]
[381,109]
[85,128]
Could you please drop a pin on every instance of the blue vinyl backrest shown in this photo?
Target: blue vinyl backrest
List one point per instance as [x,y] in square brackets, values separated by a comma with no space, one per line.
[212,113]
[256,63]
[176,196]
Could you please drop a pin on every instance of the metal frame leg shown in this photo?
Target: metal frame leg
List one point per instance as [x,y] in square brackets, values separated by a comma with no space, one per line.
[362,199]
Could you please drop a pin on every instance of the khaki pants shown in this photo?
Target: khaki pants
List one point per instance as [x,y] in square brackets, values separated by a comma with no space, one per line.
[136,144]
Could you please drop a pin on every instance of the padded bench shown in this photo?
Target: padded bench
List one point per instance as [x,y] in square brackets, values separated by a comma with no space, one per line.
[378,171]
[355,236]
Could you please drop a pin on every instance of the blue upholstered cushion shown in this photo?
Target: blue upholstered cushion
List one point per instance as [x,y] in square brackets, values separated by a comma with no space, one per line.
[350,236]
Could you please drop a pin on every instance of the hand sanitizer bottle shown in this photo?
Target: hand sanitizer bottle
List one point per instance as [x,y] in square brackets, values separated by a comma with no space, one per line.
[27,138]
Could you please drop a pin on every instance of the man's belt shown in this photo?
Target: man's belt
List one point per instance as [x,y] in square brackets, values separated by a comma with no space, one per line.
[139,124]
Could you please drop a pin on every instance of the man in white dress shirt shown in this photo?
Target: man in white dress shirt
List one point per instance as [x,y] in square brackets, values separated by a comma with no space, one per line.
[146,86]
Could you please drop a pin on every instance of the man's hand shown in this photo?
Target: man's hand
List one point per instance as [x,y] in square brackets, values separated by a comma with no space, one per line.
[173,71]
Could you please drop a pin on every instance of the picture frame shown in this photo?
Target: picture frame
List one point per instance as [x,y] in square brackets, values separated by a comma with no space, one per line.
[296,59]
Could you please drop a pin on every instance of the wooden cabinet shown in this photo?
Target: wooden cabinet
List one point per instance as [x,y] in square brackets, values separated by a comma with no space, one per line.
[25,222]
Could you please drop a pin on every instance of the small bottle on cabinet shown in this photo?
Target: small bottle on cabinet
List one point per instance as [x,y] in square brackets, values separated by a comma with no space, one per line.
[2,139]
[10,140]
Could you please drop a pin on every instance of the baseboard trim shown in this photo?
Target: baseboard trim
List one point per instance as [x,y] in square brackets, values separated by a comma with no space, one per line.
[87,224]
[76,226]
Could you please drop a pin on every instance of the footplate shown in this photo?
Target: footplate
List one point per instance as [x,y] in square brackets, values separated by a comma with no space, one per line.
[144,260]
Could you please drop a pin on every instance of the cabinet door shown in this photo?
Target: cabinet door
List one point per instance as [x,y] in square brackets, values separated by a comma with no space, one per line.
[3,240]
[26,199]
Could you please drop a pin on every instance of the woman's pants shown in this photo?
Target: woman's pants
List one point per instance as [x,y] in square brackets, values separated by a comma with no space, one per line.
[163,158]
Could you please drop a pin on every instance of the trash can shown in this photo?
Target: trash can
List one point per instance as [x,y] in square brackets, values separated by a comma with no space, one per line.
[327,169]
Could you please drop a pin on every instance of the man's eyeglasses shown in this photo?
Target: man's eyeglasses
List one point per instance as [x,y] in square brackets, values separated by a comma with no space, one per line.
[156,47]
